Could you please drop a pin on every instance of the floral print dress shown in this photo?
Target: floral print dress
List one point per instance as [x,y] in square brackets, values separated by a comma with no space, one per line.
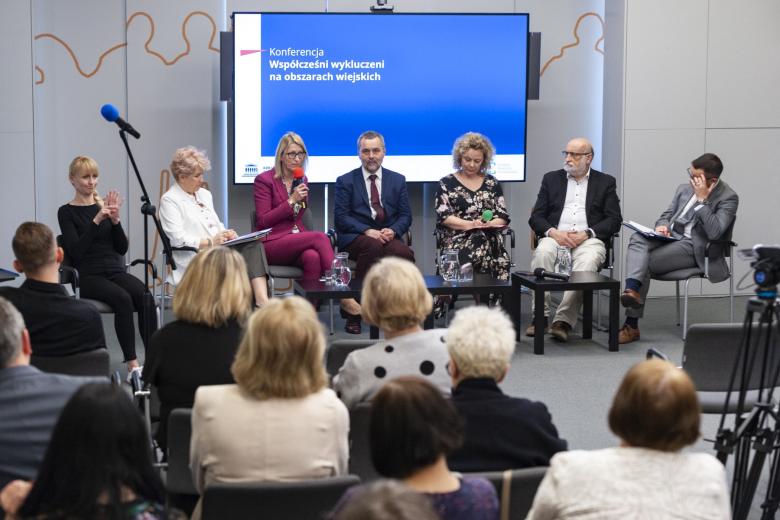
[484,248]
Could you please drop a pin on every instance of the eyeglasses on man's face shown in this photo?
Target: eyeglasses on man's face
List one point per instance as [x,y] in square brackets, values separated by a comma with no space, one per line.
[295,155]
[574,155]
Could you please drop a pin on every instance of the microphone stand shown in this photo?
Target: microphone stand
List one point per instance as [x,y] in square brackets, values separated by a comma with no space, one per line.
[148,210]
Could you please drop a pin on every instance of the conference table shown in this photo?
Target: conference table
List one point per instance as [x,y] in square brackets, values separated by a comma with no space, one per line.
[482,284]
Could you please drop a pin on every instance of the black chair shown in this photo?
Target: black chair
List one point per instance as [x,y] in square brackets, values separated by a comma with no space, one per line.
[179,478]
[89,363]
[359,448]
[164,267]
[304,500]
[709,354]
[516,489]
[714,249]
[339,350]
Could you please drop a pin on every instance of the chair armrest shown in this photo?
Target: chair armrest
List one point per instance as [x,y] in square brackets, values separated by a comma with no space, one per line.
[655,353]
[724,242]
[184,248]
[72,277]
[511,234]
[148,263]
[408,238]
[333,236]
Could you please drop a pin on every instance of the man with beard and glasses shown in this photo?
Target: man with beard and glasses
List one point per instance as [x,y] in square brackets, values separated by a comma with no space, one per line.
[577,208]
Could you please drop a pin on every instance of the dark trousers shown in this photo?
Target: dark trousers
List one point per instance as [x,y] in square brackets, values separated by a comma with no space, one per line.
[124,293]
[366,251]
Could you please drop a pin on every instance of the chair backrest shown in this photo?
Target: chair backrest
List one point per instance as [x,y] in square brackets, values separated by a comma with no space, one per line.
[710,352]
[516,488]
[339,350]
[179,478]
[304,500]
[68,274]
[359,448]
[94,362]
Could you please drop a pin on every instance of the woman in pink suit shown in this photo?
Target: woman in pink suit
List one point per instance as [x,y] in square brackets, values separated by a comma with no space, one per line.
[280,207]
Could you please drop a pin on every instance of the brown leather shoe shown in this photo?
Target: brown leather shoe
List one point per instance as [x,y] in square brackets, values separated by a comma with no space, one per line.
[627,334]
[631,299]
[531,330]
[560,331]
[352,323]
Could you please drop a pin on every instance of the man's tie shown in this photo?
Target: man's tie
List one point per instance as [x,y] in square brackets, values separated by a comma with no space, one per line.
[376,204]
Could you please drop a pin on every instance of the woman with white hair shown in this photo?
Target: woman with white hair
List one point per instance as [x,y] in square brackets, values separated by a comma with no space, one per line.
[188,218]
[395,299]
[501,432]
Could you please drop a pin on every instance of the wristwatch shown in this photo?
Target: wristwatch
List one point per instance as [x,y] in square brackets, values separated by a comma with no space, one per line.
[589,232]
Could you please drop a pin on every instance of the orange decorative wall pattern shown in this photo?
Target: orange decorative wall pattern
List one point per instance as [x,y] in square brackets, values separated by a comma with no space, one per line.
[147,44]
[575,33]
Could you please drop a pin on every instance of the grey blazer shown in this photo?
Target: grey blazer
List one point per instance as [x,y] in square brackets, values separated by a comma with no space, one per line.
[713,221]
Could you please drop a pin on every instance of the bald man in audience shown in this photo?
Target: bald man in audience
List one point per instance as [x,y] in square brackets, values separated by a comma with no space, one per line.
[30,400]
[59,325]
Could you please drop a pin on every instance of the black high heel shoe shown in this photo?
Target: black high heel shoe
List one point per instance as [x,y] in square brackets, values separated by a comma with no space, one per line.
[352,325]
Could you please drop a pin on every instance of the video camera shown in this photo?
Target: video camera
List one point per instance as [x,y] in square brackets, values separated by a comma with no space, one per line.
[765,261]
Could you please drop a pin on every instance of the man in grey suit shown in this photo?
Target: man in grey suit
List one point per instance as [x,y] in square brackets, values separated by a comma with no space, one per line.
[702,209]
[30,400]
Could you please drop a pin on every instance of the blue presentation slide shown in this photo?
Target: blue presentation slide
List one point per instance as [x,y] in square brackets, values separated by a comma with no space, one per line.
[419,79]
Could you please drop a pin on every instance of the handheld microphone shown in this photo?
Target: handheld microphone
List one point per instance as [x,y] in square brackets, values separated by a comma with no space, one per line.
[111,114]
[541,273]
[487,215]
[297,181]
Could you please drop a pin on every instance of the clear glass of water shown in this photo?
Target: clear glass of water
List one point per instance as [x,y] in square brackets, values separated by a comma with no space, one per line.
[449,265]
[563,262]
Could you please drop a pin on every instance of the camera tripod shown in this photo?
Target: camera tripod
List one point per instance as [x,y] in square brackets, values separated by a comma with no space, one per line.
[755,372]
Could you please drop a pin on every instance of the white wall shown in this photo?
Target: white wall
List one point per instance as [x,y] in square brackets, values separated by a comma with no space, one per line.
[694,77]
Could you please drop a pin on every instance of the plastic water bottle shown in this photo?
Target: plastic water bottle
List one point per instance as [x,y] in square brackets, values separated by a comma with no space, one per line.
[563,262]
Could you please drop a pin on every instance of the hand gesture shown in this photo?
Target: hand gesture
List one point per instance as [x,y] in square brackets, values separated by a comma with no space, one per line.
[578,237]
[12,496]
[113,202]
[663,230]
[376,235]
[223,236]
[300,193]
[388,233]
[700,187]
[563,238]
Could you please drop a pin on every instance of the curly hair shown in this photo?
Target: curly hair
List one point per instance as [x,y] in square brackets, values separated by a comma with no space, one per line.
[473,141]
[188,161]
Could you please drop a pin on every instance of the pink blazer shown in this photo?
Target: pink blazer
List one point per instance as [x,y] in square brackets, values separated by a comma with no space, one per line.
[272,208]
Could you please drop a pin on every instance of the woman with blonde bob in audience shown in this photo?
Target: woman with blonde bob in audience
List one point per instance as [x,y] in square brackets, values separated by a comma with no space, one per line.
[395,299]
[656,414]
[211,305]
[279,421]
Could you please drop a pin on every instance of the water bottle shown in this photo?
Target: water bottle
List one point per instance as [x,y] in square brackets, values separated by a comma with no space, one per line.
[563,262]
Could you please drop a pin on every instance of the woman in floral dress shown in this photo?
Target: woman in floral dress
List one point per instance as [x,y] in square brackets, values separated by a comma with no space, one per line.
[462,199]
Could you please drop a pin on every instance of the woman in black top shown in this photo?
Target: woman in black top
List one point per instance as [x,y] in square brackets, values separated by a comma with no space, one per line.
[93,238]
[211,304]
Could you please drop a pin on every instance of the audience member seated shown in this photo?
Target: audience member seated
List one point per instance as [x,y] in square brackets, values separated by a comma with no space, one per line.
[463,197]
[211,305]
[188,218]
[95,242]
[655,413]
[98,464]
[501,432]
[280,421]
[388,500]
[30,400]
[395,299]
[413,428]
[59,325]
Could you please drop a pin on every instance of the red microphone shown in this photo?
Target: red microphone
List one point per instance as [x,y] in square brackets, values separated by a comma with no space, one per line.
[297,181]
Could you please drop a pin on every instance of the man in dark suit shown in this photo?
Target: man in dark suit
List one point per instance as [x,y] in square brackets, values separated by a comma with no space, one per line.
[59,325]
[30,400]
[372,208]
[703,209]
[500,432]
[577,208]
